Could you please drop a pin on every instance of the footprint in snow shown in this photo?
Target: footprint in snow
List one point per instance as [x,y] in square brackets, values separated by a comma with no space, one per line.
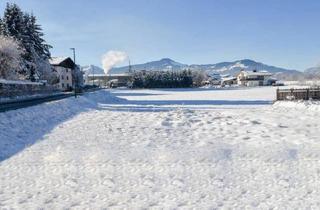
[255,122]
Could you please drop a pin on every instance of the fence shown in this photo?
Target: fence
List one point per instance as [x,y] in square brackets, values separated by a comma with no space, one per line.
[11,89]
[298,94]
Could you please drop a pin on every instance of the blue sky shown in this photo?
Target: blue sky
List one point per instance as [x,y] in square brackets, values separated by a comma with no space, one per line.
[283,33]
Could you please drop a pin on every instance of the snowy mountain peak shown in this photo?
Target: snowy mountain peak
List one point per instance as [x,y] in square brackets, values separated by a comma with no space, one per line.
[248,62]
[162,64]
[169,62]
[166,60]
[230,68]
[91,69]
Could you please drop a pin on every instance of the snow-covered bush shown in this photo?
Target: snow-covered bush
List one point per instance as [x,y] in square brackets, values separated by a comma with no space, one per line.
[199,77]
[10,58]
[46,72]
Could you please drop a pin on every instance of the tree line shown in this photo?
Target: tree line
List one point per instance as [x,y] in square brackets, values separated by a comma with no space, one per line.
[168,79]
[24,52]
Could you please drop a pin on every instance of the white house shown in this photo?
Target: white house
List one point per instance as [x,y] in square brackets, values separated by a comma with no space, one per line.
[254,78]
[64,67]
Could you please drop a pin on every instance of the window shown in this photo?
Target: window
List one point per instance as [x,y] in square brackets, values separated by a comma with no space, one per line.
[67,78]
[62,77]
[63,85]
[67,70]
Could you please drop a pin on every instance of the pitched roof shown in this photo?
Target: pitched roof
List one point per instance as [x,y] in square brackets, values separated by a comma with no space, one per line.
[257,73]
[57,60]
[66,62]
[228,78]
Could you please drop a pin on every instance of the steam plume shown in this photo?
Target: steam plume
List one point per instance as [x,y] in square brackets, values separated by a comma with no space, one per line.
[112,58]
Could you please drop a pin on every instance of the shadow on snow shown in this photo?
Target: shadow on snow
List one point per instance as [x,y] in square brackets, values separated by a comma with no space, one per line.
[24,127]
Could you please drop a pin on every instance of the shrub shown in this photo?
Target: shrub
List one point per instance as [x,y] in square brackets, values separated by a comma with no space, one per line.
[10,58]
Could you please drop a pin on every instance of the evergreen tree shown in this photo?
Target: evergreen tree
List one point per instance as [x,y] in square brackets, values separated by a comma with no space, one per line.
[1,27]
[12,22]
[23,27]
[34,31]
[163,79]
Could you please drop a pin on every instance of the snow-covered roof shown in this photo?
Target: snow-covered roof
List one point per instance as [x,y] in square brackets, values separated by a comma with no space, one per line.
[225,75]
[65,62]
[228,78]
[257,73]
[57,60]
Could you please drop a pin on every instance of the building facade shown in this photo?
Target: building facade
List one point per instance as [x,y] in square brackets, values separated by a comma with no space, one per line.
[64,68]
[254,78]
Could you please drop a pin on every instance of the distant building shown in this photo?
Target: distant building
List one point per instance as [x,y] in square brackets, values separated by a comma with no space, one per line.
[68,72]
[228,81]
[255,78]
[112,80]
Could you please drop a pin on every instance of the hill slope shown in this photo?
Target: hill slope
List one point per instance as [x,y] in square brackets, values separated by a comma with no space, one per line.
[163,64]
[313,72]
[231,68]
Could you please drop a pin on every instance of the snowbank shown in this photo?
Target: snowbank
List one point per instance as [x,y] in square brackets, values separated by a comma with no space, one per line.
[306,105]
[24,127]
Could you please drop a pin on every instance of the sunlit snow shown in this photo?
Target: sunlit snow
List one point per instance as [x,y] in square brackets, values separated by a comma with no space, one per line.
[134,149]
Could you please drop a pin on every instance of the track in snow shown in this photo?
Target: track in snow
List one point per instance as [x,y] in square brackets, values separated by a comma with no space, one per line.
[255,157]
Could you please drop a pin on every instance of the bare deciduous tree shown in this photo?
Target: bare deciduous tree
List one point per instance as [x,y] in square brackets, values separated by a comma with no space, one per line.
[10,58]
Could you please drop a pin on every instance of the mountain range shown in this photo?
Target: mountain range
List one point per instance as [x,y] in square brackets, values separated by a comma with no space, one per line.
[223,68]
[312,72]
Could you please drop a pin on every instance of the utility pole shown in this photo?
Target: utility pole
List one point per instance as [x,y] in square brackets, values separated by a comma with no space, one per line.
[75,76]
[93,76]
[74,54]
[130,67]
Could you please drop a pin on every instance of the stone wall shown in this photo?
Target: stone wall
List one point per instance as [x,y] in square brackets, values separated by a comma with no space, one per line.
[12,89]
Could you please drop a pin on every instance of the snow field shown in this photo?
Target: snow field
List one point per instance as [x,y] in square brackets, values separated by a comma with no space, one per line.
[135,150]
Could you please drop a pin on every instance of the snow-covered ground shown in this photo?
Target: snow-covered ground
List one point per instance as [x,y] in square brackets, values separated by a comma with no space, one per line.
[162,149]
